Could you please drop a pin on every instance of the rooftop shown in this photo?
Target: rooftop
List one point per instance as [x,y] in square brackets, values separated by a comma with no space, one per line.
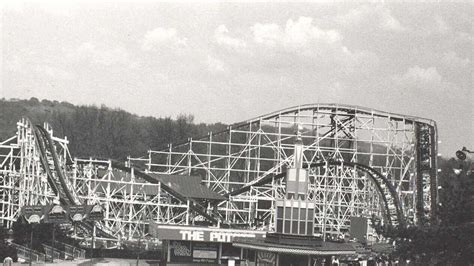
[187,186]
[286,244]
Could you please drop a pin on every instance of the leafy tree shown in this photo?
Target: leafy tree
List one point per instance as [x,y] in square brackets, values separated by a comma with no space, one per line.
[450,239]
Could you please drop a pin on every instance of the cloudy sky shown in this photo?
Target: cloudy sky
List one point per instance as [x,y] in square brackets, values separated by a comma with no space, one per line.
[233,61]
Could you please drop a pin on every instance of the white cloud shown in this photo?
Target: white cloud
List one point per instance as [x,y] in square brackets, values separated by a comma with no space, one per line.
[17,65]
[298,35]
[52,7]
[14,64]
[267,34]
[301,33]
[419,76]
[162,37]
[371,16]
[134,65]
[105,56]
[441,26]
[53,72]
[222,38]
[428,75]
[464,38]
[452,60]
[426,86]
[13,5]
[355,62]
[214,64]
[311,43]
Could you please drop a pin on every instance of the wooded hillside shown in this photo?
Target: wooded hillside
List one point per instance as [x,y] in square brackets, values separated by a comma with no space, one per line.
[101,131]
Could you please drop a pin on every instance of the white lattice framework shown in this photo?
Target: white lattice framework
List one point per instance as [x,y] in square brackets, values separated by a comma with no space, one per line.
[22,179]
[401,148]
[130,203]
[249,151]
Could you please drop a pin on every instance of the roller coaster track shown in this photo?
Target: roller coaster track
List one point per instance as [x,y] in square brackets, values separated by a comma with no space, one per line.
[322,106]
[193,204]
[240,163]
[393,211]
[58,183]
[44,162]
[246,155]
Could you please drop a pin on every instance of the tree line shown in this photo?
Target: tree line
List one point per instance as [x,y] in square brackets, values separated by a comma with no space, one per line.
[102,132]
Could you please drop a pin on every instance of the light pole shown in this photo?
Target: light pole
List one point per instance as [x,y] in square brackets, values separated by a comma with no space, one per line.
[33,220]
[461,154]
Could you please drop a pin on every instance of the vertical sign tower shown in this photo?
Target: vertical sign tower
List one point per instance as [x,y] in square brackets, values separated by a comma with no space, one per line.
[294,213]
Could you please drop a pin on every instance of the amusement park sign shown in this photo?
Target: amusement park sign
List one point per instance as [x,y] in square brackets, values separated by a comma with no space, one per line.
[207,234]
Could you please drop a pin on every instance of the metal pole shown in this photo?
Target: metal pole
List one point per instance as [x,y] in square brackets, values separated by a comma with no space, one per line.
[52,253]
[138,252]
[31,244]
[92,242]
[93,235]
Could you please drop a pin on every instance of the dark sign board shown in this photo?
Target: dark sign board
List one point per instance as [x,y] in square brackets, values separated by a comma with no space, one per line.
[205,252]
[187,251]
[61,214]
[359,227]
[57,214]
[77,212]
[34,213]
[201,234]
[30,210]
[181,251]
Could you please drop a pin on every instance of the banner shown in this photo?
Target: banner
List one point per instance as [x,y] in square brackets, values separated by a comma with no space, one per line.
[202,234]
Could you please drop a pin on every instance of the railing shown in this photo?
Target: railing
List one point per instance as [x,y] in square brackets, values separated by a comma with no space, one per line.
[53,253]
[77,253]
[27,253]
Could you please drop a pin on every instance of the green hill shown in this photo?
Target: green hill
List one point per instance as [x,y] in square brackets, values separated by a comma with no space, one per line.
[101,131]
